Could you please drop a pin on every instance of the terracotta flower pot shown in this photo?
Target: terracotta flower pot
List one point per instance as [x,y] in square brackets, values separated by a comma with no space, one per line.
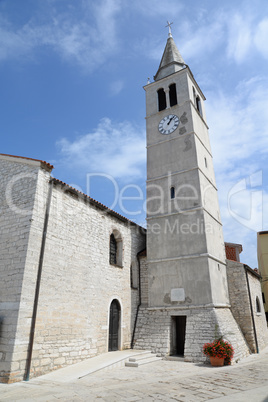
[216,361]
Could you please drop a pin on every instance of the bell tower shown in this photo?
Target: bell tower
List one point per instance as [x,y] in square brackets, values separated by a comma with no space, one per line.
[185,246]
[184,292]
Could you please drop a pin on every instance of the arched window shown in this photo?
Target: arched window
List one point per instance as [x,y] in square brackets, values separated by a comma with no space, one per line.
[162,103]
[116,249]
[197,102]
[194,93]
[113,250]
[172,192]
[258,305]
[172,95]
[198,105]
[114,326]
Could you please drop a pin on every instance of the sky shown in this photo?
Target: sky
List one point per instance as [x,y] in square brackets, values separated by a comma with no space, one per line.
[72,74]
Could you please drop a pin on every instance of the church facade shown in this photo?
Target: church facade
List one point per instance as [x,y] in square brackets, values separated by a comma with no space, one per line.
[78,279]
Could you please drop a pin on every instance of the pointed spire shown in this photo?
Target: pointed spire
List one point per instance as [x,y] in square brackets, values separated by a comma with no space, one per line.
[172,60]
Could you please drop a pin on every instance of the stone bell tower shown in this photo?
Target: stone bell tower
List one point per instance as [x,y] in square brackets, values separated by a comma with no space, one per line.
[185,246]
[187,283]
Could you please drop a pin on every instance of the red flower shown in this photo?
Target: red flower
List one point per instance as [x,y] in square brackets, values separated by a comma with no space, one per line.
[219,348]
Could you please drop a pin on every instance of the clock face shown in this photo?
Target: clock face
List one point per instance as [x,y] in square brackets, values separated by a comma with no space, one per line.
[168,124]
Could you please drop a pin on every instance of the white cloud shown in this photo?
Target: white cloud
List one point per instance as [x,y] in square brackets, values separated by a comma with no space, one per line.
[153,8]
[202,40]
[239,124]
[239,137]
[114,148]
[116,87]
[236,33]
[87,38]
[239,37]
[261,36]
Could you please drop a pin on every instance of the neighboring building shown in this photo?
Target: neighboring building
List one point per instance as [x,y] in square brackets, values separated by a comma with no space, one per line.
[262,241]
[233,251]
[245,294]
[78,279]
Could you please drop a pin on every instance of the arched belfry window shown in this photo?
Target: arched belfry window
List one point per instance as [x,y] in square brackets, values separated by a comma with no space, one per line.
[197,102]
[116,249]
[258,305]
[113,249]
[198,105]
[172,192]
[172,95]
[162,102]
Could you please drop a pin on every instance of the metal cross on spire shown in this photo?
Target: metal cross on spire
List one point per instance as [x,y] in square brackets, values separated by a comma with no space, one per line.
[169,28]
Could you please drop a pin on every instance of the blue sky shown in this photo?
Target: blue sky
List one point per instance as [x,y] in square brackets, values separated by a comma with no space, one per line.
[72,73]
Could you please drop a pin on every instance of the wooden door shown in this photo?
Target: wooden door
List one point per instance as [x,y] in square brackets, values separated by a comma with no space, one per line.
[114,326]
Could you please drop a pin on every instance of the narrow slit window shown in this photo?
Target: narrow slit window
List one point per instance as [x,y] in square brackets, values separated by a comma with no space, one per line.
[172,95]
[131,276]
[198,105]
[113,249]
[162,103]
[258,305]
[206,163]
[172,193]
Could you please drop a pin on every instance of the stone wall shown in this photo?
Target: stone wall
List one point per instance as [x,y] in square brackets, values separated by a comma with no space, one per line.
[239,300]
[259,317]
[23,198]
[144,280]
[78,282]
[240,303]
[155,326]
[154,331]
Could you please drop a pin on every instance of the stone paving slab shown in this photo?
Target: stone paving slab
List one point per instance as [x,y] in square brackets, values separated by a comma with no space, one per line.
[159,381]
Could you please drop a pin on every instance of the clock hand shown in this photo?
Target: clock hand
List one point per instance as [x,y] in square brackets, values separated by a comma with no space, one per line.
[170,120]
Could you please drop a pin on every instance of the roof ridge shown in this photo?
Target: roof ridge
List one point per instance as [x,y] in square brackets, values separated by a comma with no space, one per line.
[30,159]
[96,203]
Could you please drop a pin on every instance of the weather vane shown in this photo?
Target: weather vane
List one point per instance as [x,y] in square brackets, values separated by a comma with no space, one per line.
[169,28]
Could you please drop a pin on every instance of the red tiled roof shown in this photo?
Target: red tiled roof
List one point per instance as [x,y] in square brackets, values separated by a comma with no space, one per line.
[31,159]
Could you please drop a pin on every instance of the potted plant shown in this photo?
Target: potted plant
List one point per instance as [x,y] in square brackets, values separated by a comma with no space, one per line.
[219,351]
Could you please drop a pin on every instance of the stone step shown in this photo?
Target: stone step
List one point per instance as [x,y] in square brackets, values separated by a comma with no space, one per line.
[142,359]
[106,361]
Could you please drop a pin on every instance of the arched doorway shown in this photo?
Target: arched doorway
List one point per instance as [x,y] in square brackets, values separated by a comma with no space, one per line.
[114,326]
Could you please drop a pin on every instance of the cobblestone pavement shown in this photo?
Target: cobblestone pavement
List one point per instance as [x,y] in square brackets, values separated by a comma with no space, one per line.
[159,381]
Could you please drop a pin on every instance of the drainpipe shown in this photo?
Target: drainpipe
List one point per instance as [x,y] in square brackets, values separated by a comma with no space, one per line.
[252,312]
[38,282]
[138,307]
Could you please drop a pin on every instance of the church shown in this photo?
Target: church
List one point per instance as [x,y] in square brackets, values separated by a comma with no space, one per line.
[78,279]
